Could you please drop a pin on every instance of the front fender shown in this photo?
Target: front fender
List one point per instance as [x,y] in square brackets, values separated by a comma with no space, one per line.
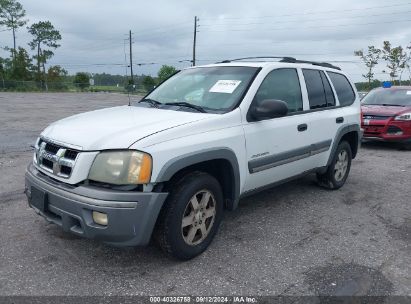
[176,164]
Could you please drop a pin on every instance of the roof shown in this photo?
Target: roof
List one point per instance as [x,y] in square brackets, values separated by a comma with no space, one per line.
[286,59]
[263,64]
[282,62]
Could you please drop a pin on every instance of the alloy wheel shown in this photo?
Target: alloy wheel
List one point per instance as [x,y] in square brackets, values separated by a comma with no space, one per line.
[341,166]
[198,218]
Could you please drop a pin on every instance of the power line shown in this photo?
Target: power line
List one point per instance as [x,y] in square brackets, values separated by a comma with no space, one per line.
[117,64]
[295,41]
[143,32]
[95,47]
[167,34]
[87,64]
[314,20]
[313,12]
[166,29]
[174,61]
[110,45]
[311,27]
[148,30]
[105,47]
[157,33]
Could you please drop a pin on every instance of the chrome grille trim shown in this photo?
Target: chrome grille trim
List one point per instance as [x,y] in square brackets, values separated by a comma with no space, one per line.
[55,163]
[61,144]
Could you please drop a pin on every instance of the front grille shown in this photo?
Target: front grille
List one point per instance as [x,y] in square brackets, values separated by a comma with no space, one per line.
[48,164]
[374,126]
[373,130]
[52,148]
[65,170]
[375,117]
[55,159]
[71,154]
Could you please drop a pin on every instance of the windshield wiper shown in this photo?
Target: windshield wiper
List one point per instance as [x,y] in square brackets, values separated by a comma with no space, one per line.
[152,102]
[187,105]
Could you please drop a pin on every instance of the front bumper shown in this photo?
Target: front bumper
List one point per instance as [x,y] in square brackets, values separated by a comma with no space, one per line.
[387,138]
[387,131]
[131,215]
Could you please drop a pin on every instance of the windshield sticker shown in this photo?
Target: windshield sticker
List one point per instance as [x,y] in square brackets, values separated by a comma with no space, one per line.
[225,86]
[408,92]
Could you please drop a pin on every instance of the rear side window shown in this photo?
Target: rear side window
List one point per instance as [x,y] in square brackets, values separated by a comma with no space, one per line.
[316,90]
[329,95]
[343,88]
[281,84]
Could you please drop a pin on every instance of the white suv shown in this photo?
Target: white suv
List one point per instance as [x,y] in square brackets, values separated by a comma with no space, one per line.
[169,165]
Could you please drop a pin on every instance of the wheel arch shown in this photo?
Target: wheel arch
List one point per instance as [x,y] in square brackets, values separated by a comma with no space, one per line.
[221,163]
[350,133]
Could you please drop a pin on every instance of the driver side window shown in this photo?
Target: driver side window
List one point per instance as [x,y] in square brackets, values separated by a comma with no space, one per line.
[281,84]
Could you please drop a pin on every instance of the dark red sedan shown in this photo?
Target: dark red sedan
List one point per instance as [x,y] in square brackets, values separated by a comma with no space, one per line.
[386,115]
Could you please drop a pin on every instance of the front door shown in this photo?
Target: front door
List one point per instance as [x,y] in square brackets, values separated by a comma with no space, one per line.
[278,148]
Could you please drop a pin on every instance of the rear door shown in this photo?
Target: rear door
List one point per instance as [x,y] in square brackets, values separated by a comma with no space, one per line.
[324,114]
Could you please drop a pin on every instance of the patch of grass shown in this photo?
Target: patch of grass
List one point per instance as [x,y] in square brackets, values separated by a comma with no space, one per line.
[106,89]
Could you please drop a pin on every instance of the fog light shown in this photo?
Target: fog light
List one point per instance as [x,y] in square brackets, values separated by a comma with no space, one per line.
[100,218]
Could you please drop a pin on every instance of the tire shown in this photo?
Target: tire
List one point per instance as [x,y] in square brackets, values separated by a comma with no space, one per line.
[186,239]
[339,169]
[406,146]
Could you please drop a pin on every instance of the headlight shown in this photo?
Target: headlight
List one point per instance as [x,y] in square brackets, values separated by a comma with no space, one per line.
[121,168]
[405,116]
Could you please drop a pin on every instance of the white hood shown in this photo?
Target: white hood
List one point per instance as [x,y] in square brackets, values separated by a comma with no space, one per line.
[116,128]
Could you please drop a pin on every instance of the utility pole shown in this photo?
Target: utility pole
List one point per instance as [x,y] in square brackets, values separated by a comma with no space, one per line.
[195,40]
[131,59]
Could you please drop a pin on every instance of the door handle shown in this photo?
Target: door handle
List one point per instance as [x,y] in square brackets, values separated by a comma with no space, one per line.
[302,127]
[339,120]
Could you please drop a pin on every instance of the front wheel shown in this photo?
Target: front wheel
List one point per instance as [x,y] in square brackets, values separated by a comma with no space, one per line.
[406,146]
[337,172]
[191,216]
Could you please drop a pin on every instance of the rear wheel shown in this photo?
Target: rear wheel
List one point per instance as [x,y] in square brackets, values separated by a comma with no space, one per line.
[337,172]
[191,216]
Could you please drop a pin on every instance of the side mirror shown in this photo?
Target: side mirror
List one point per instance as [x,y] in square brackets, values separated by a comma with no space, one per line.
[269,108]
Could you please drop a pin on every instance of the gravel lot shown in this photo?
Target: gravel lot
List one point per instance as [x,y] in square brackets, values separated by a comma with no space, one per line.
[296,239]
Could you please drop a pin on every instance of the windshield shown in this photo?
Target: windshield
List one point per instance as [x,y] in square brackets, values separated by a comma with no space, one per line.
[214,89]
[390,97]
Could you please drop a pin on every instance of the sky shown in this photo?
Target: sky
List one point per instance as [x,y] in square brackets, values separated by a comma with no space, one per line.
[95,32]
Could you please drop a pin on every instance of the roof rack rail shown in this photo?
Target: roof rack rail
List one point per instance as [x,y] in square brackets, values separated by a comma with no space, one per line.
[257,57]
[285,59]
[323,64]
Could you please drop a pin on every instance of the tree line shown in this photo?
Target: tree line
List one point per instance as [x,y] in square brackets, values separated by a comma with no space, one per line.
[397,59]
[140,83]
[21,65]
[25,69]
